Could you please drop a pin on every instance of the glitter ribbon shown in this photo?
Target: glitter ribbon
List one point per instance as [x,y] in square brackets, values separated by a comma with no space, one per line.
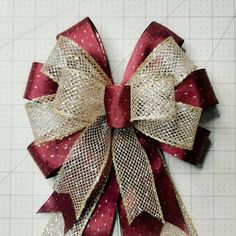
[78,105]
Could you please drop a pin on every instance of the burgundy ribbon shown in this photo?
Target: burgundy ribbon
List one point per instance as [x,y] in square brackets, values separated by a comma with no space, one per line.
[117,105]
[60,202]
[195,90]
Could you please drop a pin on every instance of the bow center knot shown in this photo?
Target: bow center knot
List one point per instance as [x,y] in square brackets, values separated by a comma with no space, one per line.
[117,105]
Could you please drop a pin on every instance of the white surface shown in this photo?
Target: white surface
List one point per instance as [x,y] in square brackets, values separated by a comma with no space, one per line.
[27,33]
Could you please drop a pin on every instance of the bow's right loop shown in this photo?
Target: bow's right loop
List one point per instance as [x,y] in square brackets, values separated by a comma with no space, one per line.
[179,132]
[152,98]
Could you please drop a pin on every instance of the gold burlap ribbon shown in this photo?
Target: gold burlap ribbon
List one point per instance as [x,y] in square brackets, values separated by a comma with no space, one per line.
[79,105]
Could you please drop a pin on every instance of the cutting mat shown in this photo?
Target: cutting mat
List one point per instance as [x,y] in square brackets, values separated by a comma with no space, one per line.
[27,33]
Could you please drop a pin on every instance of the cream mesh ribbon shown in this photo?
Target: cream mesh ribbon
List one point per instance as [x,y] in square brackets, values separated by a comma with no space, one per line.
[48,125]
[85,164]
[68,54]
[179,132]
[79,95]
[81,81]
[152,98]
[166,59]
[79,104]
[153,108]
[55,226]
[134,175]
[171,230]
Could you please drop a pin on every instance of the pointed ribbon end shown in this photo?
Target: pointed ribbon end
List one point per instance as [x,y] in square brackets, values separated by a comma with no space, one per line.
[60,202]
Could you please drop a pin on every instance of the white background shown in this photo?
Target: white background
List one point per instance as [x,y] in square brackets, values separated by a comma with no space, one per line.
[27,33]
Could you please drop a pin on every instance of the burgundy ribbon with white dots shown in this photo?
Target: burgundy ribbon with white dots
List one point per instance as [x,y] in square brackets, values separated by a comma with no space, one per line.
[195,90]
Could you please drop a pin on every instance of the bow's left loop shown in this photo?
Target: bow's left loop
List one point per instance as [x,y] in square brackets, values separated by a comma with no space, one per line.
[81,81]
[48,125]
[68,54]
[80,96]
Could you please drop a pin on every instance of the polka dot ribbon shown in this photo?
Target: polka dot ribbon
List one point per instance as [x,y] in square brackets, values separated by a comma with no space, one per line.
[110,118]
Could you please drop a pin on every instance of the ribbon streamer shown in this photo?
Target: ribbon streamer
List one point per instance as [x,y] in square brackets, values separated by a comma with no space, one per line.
[78,105]
[134,175]
[86,162]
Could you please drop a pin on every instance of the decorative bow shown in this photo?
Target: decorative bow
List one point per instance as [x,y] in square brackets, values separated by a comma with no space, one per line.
[85,100]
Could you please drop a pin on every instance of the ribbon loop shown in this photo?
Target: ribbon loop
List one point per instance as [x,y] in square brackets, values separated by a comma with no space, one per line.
[68,54]
[152,85]
[134,175]
[46,124]
[179,132]
[80,96]
[153,107]
[166,59]
[152,98]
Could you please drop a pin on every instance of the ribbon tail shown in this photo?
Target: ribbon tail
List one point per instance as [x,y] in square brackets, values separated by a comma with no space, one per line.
[99,213]
[170,230]
[60,202]
[134,175]
[188,228]
[91,204]
[57,224]
[87,166]
[188,221]
[103,218]
[174,211]
[38,84]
